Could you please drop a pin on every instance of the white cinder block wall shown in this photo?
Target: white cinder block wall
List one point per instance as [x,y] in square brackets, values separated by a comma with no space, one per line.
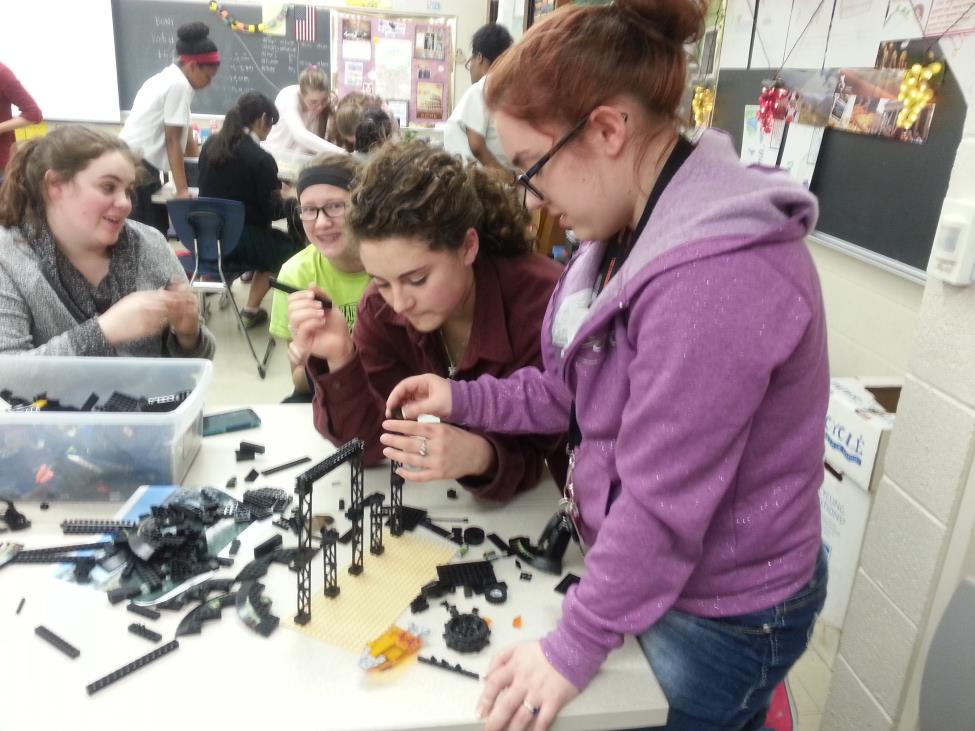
[920,530]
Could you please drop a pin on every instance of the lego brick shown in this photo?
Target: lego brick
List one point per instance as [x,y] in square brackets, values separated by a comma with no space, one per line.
[59,642]
[132,667]
[142,631]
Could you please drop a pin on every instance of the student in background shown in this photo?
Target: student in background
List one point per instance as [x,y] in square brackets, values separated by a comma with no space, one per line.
[455,290]
[469,131]
[373,130]
[305,110]
[12,93]
[685,349]
[233,165]
[158,127]
[76,277]
[329,262]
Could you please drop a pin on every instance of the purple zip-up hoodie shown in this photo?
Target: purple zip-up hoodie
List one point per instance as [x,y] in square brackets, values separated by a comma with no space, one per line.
[700,380]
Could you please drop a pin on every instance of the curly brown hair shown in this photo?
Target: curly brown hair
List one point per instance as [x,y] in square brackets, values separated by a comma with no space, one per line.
[412,190]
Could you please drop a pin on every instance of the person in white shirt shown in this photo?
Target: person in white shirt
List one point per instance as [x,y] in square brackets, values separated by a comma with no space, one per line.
[158,127]
[469,131]
[305,109]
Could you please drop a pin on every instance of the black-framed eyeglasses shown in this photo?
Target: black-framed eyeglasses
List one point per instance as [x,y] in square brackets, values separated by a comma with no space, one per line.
[470,60]
[531,172]
[333,210]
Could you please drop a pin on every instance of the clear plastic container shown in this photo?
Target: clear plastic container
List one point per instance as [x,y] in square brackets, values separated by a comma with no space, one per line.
[95,455]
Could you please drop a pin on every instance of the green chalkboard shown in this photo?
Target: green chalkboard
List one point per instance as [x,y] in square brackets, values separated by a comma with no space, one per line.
[145,41]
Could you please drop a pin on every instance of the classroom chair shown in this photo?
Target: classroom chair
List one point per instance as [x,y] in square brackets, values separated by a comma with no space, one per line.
[210,228]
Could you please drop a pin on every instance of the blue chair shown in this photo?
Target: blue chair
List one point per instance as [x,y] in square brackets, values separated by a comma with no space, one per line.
[210,228]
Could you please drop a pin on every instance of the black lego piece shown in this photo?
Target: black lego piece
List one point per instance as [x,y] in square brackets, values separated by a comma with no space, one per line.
[476,574]
[568,580]
[285,466]
[132,667]
[442,532]
[192,623]
[451,493]
[90,402]
[346,537]
[234,547]
[120,402]
[231,483]
[167,402]
[444,665]
[243,456]
[501,545]
[74,527]
[14,519]
[58,642]
[252,475]
[254,609]
[122,593]
[225,561]
[420,604]
[271,544]
[251,447]
[466,632]
[21,604]
[435,589]
[525,576]
[473,536]
[143,611]
[342,504]
[45,505]
[143,631]
[496,593]
[554,540]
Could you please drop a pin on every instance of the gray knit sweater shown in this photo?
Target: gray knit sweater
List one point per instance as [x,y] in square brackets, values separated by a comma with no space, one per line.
[48,308]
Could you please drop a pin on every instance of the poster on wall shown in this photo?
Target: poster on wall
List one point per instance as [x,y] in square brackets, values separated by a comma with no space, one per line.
[429,101]
[430,42]
[394,57]
[389,28]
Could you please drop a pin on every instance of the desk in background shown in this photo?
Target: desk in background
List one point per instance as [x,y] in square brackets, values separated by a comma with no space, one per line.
[231,676]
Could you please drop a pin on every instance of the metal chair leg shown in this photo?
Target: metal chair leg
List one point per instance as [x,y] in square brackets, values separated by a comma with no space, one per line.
[260,362]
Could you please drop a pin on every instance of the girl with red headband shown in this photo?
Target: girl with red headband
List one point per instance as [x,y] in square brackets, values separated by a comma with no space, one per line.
[158,127]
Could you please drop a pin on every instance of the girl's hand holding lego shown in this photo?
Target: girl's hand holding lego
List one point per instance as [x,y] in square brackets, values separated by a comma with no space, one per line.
[184,314]
[296,356]
[426,394]
[135,316]
[534,691]
[437,451]
[317,330]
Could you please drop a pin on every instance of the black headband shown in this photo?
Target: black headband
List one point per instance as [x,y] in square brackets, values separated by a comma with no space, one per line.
[324,175]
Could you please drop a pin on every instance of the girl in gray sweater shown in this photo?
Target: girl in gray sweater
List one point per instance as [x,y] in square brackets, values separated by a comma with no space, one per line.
[76,277]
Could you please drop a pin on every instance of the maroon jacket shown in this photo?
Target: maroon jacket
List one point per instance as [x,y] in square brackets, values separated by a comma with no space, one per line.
[510,301]
[12,93]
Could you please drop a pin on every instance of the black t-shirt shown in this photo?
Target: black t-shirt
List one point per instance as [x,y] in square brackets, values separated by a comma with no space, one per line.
[249,176]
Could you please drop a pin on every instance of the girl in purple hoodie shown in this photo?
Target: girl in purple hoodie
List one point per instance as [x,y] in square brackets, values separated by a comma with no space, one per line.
[685,350]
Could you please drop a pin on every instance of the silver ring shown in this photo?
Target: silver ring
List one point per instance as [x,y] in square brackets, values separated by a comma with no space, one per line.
[530,708]
[423,452]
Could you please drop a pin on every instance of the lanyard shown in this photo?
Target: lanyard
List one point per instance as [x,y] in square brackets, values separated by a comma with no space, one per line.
[614,257]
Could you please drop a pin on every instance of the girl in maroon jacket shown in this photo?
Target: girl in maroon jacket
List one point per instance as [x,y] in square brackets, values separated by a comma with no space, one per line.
[13,93]
[455,291]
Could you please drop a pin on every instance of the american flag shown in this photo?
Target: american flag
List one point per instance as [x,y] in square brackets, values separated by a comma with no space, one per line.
[305,24]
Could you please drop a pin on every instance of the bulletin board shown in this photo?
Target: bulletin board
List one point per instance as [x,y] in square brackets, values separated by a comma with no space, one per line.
[405,60]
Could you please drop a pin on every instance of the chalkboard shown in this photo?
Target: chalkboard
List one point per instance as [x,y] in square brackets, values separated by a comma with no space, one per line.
[145,43]
[876,193]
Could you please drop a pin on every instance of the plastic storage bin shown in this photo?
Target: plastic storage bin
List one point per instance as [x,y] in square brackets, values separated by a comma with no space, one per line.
[94,455]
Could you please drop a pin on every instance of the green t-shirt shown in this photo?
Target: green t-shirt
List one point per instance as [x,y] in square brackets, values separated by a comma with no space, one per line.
[308,265]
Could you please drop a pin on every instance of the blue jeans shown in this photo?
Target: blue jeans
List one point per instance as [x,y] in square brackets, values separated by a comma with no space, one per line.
[718,674]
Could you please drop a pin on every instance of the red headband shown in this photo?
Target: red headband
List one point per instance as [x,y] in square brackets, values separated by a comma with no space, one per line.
[208,59]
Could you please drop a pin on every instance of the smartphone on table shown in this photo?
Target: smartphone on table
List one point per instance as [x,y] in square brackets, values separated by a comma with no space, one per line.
[230,421]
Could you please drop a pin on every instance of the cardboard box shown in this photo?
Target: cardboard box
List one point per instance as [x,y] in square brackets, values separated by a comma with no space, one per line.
[858,425]
[98,455]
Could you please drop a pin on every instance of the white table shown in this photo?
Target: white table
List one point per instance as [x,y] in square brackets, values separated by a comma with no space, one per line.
[231,676]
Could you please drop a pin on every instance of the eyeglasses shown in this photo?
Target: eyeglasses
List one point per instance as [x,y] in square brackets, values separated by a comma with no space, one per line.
[534,169]
[333,210]
[470,60]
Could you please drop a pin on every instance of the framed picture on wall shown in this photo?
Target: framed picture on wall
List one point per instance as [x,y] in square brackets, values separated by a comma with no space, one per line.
[399,108]
[429,100]
[430,42]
